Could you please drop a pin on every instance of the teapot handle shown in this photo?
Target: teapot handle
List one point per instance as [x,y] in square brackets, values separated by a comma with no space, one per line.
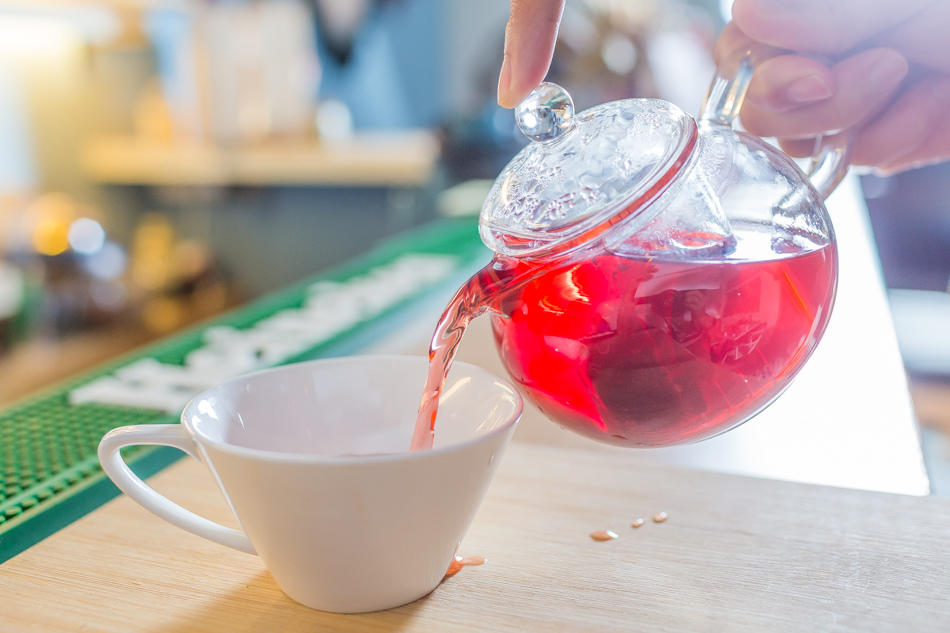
[832,152]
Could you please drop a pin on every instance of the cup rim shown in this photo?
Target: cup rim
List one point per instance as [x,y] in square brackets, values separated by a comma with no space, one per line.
[346,460]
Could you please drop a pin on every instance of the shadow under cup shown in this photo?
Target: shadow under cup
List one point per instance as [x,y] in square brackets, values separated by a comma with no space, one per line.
[314,460]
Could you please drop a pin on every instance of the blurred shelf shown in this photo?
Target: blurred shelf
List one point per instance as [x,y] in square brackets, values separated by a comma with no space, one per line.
[393,159]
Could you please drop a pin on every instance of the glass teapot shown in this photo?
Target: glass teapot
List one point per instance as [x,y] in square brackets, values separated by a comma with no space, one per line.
[658,279]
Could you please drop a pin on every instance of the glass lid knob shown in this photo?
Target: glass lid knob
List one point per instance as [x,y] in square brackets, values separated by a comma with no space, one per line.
[546,113]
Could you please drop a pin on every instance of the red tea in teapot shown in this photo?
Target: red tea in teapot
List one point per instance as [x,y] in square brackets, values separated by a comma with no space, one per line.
[687,352]
[646,351]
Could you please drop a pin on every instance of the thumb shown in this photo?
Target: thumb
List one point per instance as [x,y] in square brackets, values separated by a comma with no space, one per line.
[529,47]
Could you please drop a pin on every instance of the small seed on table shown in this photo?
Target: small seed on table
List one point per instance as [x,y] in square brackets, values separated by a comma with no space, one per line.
[637,523]
[660,517]
[603,535]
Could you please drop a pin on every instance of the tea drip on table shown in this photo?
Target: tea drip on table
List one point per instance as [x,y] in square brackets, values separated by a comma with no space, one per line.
[458,563]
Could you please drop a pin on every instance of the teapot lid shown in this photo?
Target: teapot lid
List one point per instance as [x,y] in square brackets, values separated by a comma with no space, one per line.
[582,173]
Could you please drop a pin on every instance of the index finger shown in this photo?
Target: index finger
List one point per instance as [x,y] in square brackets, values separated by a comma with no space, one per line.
[529,47]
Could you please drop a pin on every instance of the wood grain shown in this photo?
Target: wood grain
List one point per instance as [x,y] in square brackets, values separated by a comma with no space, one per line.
[737,554]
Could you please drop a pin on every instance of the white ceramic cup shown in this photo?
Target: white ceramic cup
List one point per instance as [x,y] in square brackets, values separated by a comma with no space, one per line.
[313,459]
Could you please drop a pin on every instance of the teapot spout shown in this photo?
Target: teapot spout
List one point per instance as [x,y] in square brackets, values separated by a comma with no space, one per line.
[487,290]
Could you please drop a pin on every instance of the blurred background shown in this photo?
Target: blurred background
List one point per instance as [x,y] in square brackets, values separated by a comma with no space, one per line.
[164,160]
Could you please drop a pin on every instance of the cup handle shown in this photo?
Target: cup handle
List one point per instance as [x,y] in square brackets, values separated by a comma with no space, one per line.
[128,482]
[832,153]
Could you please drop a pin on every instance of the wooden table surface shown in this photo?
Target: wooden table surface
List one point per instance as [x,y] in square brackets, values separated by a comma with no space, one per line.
[736,554]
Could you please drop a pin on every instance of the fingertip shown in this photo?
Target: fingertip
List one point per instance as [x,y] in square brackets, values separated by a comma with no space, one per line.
[808,89]
[514,86]
[529,46]
[888,68]
[504,84]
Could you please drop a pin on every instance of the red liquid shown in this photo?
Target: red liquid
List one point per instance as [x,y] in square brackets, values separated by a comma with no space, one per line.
[487,287]
[688,350]
[458,563]
[644,352]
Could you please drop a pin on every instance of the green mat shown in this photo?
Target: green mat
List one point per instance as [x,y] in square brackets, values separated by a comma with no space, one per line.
[49,471]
